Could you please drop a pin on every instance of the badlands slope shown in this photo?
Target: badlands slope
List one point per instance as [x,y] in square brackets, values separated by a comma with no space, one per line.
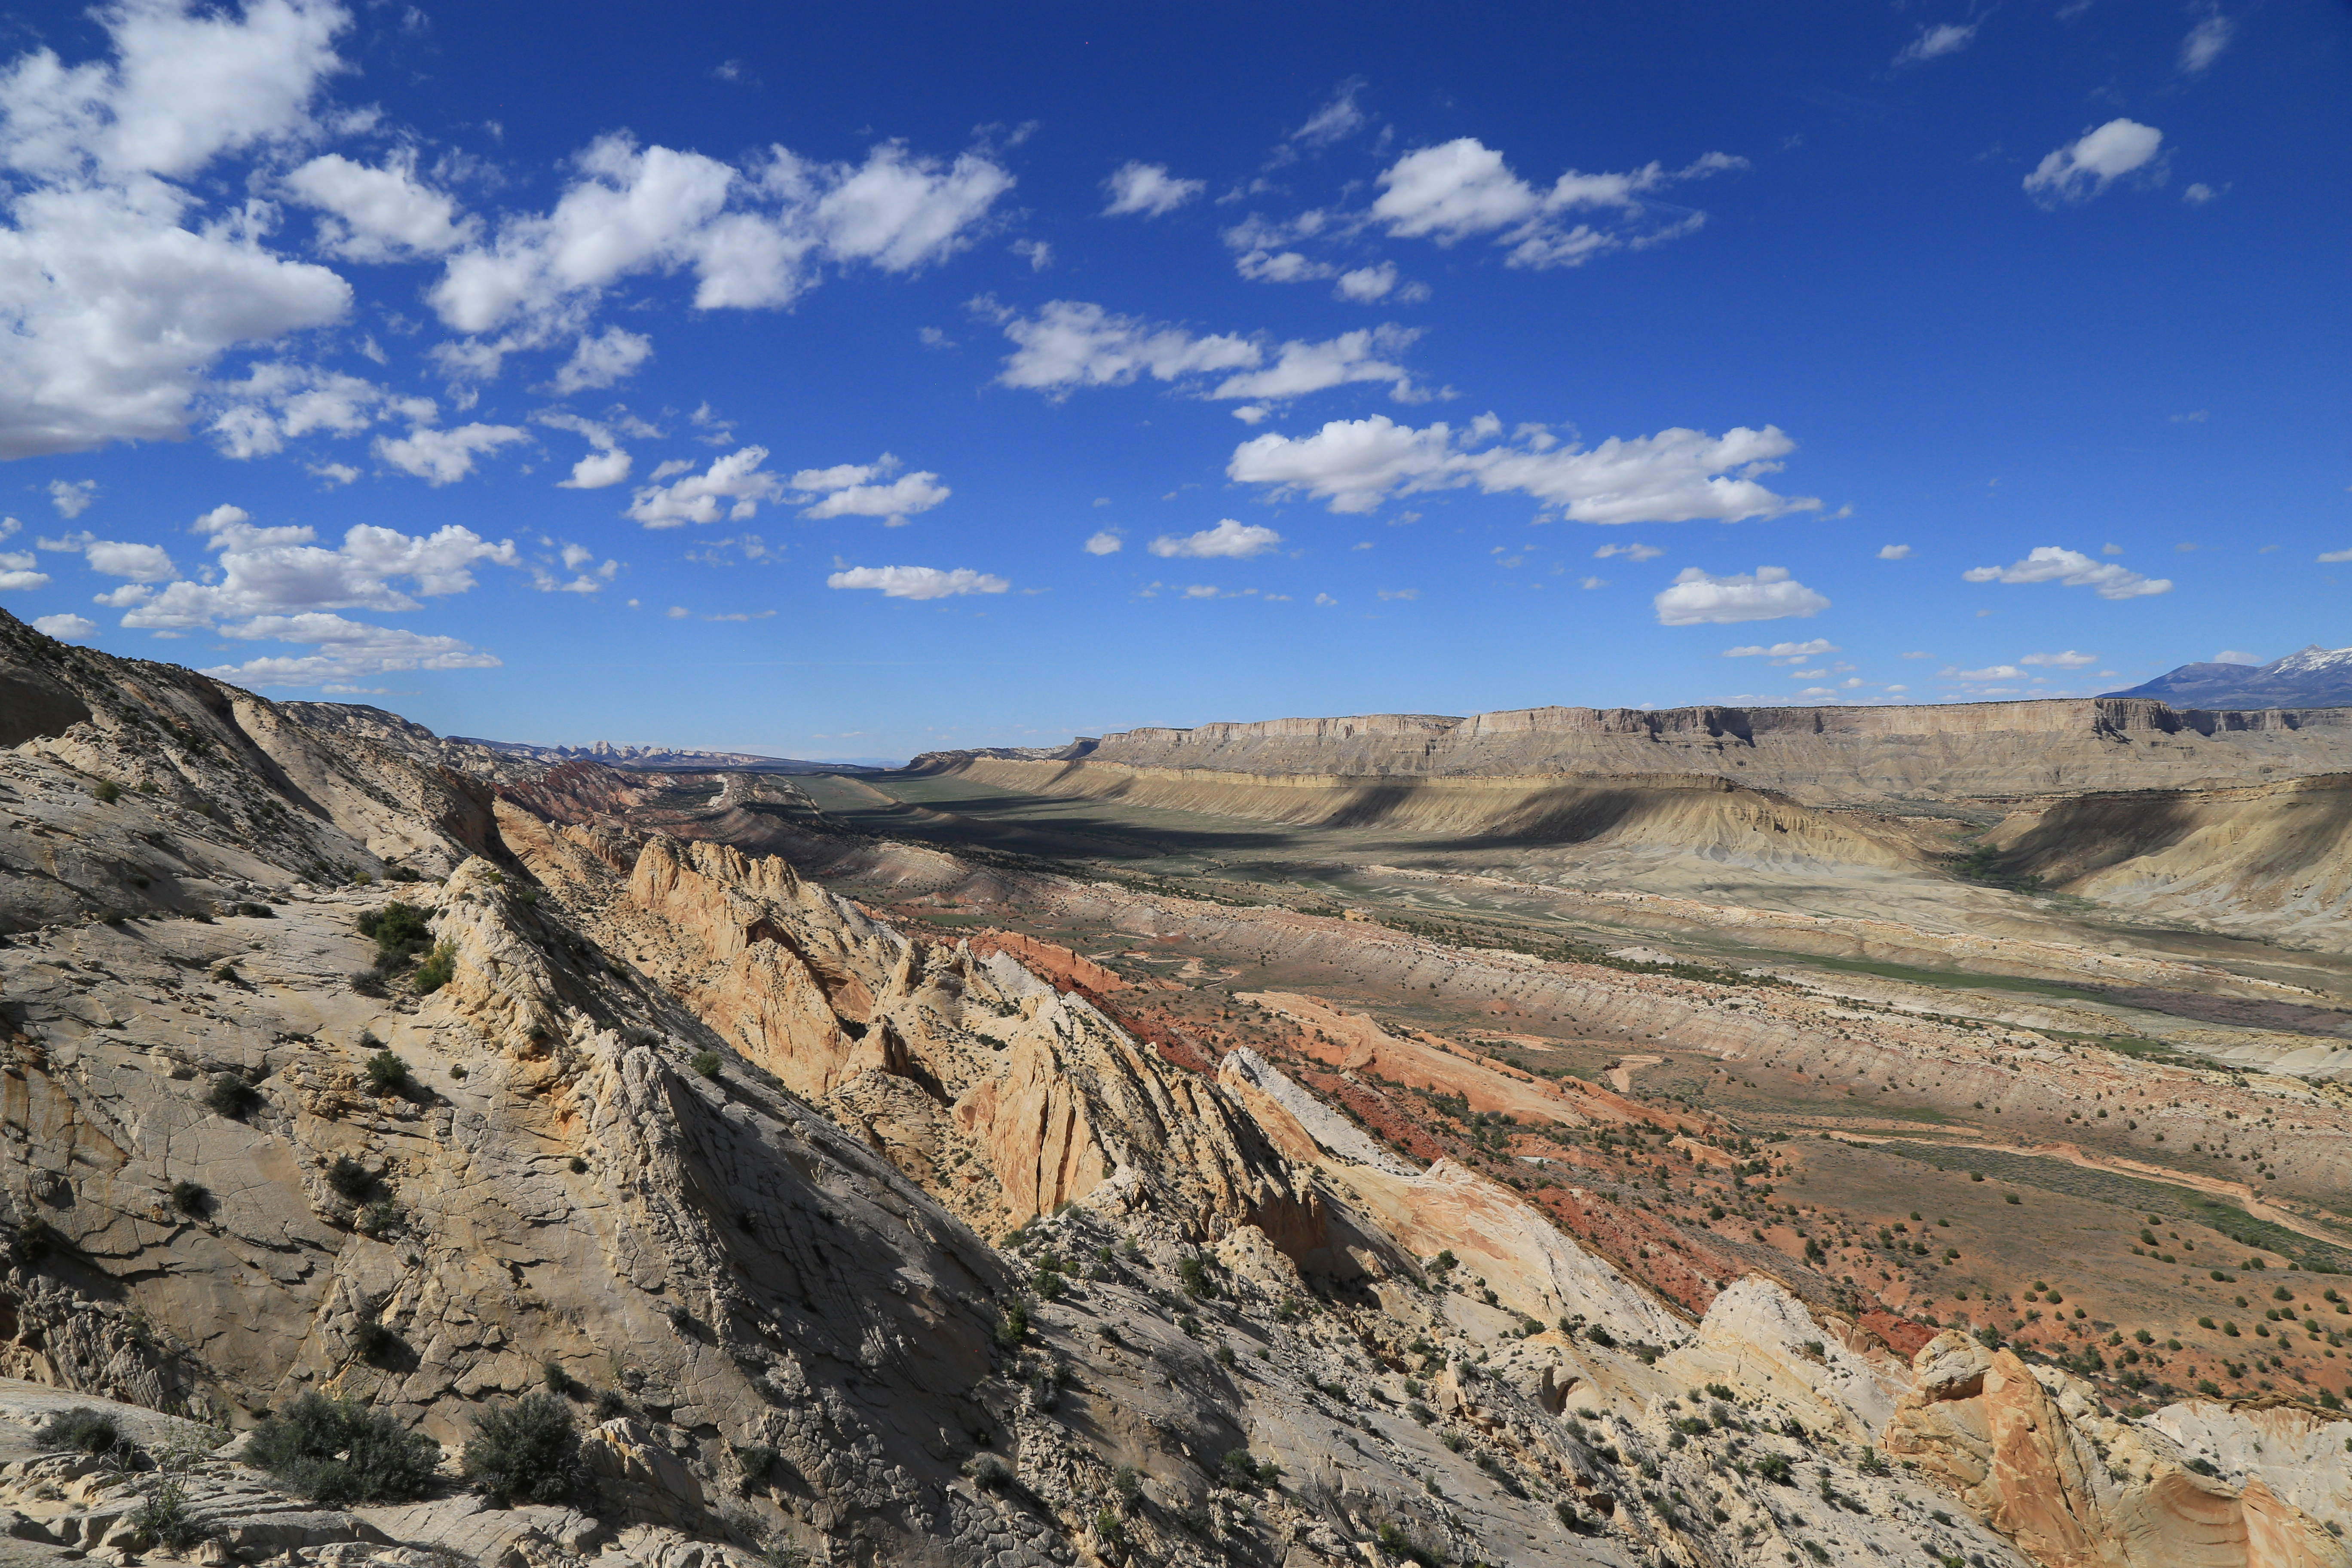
[855,1234]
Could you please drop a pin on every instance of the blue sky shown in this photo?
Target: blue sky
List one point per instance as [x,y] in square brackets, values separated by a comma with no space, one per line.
[909,376]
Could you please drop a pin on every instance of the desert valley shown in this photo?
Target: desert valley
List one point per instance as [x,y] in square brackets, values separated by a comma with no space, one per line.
[1708,1136]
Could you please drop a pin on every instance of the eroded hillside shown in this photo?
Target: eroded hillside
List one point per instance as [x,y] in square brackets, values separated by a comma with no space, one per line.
[867,1203]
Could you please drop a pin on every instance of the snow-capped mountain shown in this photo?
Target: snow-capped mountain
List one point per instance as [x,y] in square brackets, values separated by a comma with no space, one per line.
[2314,677]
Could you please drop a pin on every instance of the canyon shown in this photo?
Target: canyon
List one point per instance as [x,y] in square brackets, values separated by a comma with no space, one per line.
[1566,1137]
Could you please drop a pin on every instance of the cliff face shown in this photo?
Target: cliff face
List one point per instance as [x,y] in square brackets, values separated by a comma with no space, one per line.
[1817,756]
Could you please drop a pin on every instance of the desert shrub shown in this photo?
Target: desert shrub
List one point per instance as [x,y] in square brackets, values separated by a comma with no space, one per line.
[1194,1276]
[707,1063]
[527,1452]
[191,1197]
[990,1473]
[579,1166]
[350,1178]
[388,1074]
[381,1219]
[340,1451]
[230,1095]
[402,931]
[1128,1485]
[437,970]
[611,1405]
[83,1430]
[368,983]
[257,912]
[1776,1469]
[756,1459]
[1013,1326]
[401,874]
[1601,1336]
[107,791]
[373,1339]
[161,1518]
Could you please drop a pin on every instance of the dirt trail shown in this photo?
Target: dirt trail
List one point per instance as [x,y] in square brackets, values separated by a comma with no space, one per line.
[1621,1076]
[2114,1166]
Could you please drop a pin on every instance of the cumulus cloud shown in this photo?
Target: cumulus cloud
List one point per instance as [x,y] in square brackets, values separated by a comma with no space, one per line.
[1229,539]
[444,457]
[1147,190]
[280,401]
[347,651]
[612,356]
[754,236]
[2069,659]
[1462,189]
[1784,652]
[732,487]
[1894,552]
[1104,543]
[1990,672]
[280,571]
[1675,476]
[378,214]
[1699,598]
[2073,569]
[72,497]
[65,628]
[17,574]
[867,490]
[138,563]
[2205,43]
[917,582]
[1630,551]
[1934,42]
[2084,168]
[123,278]
[1071,344]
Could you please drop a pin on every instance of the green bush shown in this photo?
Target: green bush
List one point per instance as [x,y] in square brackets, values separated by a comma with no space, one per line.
[1776,1469]
[340,1452]
[527,1452]
[83,1430]
[437,970]
[350,1178]
[107,791]
[707,1063]
[191,1197]
[230,1095]
[402,931]
[388,1074]
[1012,1327]
[1194,1276]
[161,1518]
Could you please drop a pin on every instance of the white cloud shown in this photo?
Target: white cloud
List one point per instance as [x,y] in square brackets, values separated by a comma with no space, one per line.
[269,570]
[1992,672]
[120,286]
[917,582]
[2235,656]
[65,628]
[1366,285]
[1675,476]
[1933,43]
[139,562]
[2199,193]
[855,489]
[72,497]
[2069,660]
[1147,190]
[1280,267]
[1338,119]
[444,457]
[2331,557]
[612,356]
[607,465]
[378,214]
[1699,598]
[1229,539]
[1594,583]
[2084,168]
[349,651]
[1630,551]
[1104,543]
[279,401]
[1894,552]
[2073,569]
[1463,188]
[754,237]
[17,574]
[1071,344]
[1783,650]
[2205,43]
[736,479]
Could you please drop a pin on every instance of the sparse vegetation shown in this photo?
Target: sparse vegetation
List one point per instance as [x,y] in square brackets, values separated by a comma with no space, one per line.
[340,1452]
[707,1063]
[83,1430]
[437,970]
[527,1452]
[229,1094]
[388,1074]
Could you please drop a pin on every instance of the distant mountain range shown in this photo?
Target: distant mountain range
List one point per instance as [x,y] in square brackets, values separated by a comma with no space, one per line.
[661,759]
[2313,678]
